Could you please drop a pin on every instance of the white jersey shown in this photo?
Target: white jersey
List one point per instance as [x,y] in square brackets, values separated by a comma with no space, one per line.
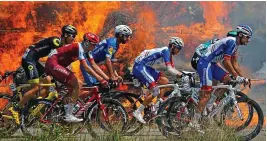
[154,56]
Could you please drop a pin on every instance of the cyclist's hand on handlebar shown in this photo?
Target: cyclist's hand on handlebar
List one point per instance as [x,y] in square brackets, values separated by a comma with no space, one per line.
[243,80]
[114,78]
[120,79]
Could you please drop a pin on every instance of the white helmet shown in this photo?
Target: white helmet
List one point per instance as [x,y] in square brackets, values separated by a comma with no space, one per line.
[123,29]
[244,29]
[178,42]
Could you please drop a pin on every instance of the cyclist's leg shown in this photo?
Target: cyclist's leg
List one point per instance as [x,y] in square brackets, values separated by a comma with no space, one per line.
[220,75]
[66,77]
[33,78]
[44,79]
[163,81]
[205,73]
[149,77]
[144,74]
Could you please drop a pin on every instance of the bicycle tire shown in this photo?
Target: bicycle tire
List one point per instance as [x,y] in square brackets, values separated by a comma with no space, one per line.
[133,126]
[94,108]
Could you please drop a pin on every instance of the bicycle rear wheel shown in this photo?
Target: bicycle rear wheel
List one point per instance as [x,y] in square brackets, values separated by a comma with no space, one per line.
[8,126]
[173,116]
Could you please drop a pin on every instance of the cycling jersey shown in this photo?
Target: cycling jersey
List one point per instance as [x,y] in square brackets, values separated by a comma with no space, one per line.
[30,64]
[106,48]
[216,50]
[43,47]
[68,54]
[210,53]
[142,69]
[155,56]
[60,58]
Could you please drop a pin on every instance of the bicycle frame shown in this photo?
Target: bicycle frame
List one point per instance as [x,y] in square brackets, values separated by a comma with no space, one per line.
[96,97]
[226,100]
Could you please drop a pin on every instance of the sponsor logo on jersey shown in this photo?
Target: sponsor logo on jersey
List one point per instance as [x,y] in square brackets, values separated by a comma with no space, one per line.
[110,50]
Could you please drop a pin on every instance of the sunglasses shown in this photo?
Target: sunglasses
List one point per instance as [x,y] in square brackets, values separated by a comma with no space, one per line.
[72,36]
[247,36]
[178,47]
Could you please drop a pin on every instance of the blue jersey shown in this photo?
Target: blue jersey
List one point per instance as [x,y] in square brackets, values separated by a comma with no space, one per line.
[155,56]
[216,50]
[106,48]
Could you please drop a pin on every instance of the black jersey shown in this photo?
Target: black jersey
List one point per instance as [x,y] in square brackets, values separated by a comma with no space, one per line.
[43,47]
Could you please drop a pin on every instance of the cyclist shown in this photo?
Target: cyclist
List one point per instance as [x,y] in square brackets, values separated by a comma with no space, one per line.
[60,58]
[34,69]
[147,75]
[105,51]
[211,53]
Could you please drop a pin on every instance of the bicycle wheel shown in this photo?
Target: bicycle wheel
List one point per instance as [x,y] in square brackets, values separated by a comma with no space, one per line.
[116,118]
[130,102]
[31,124]
[251,125]
[173,116]
[8,126]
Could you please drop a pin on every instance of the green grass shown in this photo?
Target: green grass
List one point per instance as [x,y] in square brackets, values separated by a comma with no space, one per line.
[212,133]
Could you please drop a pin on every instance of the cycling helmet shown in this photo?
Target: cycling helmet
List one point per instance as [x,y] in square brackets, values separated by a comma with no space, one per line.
[69,29]
[123,29]
[90,37]
[245,29]
[177,42]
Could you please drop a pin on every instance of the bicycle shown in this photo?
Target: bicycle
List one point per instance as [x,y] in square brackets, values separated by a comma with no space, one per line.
[94,107]
[8,122]
[177,112]
[131,102]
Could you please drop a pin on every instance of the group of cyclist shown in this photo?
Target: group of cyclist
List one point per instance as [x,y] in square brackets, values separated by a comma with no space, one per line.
[62,52]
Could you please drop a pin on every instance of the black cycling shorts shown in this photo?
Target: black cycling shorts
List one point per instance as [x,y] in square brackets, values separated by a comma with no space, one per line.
[32,68]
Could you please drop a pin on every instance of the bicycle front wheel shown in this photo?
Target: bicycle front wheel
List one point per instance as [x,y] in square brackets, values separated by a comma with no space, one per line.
[251,124]
[111,117]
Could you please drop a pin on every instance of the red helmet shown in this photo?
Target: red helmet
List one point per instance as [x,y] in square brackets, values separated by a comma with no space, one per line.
[91,37]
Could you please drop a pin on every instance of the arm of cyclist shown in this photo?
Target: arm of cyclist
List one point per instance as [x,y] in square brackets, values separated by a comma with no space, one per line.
[169,64]
[93,73]
[236,65]
[117,75]
[97,69]
[229,67]
[110,68]
[229,48]
[228,63]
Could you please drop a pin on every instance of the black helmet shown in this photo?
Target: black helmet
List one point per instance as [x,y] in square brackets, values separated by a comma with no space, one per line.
[69,29]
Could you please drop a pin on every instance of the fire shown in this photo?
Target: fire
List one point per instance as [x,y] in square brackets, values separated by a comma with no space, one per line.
[24,23]
[234,120]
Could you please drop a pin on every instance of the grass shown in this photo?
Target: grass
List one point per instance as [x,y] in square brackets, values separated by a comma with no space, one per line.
[212,133]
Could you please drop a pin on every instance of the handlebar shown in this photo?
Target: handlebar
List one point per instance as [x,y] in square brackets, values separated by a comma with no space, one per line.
[235,82]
